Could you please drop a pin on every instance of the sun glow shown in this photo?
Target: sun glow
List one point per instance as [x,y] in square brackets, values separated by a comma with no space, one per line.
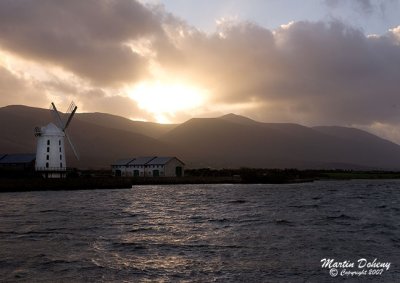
[165,100]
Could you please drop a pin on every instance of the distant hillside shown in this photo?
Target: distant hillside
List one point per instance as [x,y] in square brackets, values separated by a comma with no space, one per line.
[232,141]
[228,141]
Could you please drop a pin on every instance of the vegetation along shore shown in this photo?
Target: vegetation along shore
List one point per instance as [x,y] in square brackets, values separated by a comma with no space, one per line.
[86,180]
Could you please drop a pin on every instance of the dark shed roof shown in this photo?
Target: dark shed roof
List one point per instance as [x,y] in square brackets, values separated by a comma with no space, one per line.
[122,161]
[141,160]
[146,160]
[160,161]
[18,158]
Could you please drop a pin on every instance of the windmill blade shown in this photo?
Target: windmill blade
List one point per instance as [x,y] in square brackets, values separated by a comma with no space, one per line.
[70,107]
[72,146]
[56,115]
[70,117]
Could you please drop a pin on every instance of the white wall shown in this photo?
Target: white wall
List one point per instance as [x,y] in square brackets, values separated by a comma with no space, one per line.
[170,170]
[50,151]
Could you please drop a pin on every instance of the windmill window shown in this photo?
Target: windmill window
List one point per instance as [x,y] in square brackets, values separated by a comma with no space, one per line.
[60,165]
[48,149]
[60,157]
[60,148]
[48,142]
[47,157]
[47,164]
[59,142]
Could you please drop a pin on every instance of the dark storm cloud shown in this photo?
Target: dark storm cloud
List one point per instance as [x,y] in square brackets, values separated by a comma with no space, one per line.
[85,37]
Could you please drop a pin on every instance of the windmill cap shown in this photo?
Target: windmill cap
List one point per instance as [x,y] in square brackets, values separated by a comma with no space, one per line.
[52,130]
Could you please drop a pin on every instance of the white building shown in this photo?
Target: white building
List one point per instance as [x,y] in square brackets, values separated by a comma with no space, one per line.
[149,167]
[50,153]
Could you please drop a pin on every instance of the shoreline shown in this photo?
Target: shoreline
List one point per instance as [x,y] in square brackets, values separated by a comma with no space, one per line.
[87,182]
[98,183]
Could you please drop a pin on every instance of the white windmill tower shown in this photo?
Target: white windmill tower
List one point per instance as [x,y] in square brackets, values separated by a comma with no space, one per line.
[50,150]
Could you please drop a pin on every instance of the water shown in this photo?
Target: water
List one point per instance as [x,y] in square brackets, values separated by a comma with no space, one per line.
[200,233]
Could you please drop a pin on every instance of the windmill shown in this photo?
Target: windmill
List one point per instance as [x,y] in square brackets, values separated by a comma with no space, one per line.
[50,150]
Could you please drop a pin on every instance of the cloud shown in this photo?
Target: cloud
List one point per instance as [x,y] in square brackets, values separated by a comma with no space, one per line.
[85,37]
[311,72]
[97,100]
[15,90]
[366,7]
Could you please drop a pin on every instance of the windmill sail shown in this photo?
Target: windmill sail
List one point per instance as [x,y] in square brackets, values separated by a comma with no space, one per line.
[56,115]
[63,125]
[71,111]
[72,145]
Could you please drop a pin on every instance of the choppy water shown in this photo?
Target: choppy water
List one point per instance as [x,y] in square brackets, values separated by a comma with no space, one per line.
[199,233]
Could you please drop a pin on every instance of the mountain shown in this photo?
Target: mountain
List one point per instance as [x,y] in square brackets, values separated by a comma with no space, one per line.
[233,141]
[228,141]
[237,119]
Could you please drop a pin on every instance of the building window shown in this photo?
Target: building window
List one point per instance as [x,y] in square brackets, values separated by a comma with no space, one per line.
[48,142]
[47,164]
[59,142]
[48,149]
[60,165]
[60,157]
[47,157]
[60,148]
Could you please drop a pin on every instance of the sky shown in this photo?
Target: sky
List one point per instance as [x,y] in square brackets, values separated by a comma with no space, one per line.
[312,62]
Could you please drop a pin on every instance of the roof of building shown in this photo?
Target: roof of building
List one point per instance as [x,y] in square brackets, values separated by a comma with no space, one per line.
[123,161]
[142,160]
[18,158]
[2,155]
[145,160]
[160,160]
